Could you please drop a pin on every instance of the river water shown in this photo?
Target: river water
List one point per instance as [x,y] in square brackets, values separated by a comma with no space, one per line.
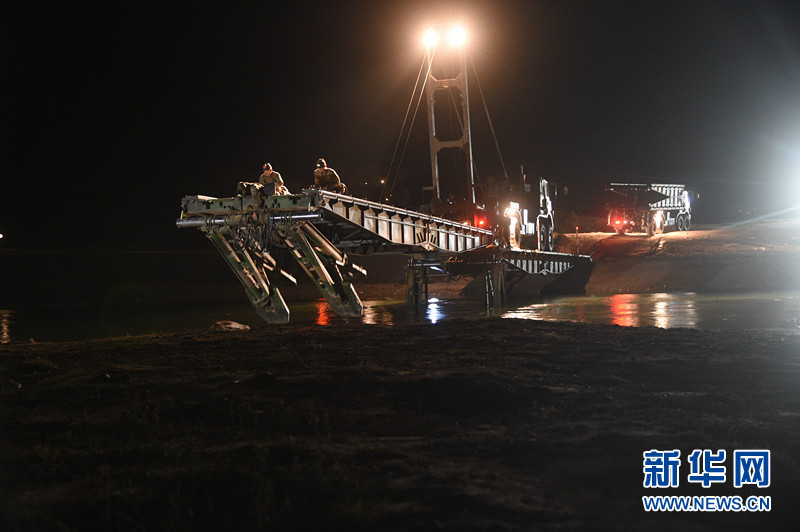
[766,310]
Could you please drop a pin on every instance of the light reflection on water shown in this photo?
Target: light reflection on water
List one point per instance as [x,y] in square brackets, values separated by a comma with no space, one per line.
[703,311]
[433,311]
[626,310]
[775,310]
[323,312]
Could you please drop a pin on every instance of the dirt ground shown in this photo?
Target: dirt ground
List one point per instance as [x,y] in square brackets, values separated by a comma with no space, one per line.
[487,424]
[759,256]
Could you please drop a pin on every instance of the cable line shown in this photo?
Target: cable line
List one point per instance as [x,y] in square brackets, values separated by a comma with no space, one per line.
[489,118]
[389,178]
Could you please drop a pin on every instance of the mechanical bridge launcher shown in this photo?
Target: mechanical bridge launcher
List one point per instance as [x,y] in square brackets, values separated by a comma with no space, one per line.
[318,228]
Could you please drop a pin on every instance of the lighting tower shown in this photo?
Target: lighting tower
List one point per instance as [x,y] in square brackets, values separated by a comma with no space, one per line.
[446,56]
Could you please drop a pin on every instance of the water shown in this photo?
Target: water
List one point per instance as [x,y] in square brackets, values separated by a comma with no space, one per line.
[772,310]
[88,323]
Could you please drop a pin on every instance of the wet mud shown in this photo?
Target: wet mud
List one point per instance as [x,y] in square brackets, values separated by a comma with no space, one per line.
[491,424]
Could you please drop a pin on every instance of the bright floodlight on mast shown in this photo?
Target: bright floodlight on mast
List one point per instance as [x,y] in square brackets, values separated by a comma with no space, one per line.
[431,38]
[451,84]
[455,33]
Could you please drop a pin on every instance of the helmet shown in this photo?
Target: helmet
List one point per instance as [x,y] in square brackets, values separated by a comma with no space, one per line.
[321,163]
[267,166]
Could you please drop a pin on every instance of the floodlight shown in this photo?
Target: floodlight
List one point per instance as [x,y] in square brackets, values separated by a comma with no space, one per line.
[457,35]
[431,38]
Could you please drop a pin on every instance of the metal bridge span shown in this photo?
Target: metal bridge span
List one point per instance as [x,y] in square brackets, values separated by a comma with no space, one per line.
[319,228]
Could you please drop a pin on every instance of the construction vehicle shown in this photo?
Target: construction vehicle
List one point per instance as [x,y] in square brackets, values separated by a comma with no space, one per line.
[650,208]
[531,219]
[522,217]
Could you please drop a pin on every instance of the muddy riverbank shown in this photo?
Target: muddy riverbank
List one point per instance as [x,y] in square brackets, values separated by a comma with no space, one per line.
[463,425]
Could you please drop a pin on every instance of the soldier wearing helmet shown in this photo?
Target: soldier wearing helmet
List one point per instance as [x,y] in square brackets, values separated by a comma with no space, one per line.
[271,176]
[327,178]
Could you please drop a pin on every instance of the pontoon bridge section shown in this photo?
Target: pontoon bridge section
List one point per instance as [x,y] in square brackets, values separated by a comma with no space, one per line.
[318,229]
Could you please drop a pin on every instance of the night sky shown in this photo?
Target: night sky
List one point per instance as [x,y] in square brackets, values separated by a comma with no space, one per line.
[112,113]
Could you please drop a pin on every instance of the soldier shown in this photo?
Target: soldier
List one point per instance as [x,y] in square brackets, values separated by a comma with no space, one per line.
[327,178]
[271,176]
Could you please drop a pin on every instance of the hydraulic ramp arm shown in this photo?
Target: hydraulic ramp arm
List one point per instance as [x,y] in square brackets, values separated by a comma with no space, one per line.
[245,237]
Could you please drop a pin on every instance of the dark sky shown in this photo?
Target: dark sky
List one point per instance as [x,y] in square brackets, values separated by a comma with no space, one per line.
[111,113]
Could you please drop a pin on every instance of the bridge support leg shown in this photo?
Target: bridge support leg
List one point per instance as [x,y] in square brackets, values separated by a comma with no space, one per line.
[494,278]
[416,285]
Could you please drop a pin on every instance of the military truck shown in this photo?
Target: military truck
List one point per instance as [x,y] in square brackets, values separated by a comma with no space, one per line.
[650,208]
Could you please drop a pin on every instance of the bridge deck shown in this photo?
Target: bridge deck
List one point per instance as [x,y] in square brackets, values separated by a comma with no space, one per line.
[351,224]
[318,228]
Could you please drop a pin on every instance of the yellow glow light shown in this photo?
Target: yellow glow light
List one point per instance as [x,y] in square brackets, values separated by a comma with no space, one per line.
[431,38]
[457,36]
